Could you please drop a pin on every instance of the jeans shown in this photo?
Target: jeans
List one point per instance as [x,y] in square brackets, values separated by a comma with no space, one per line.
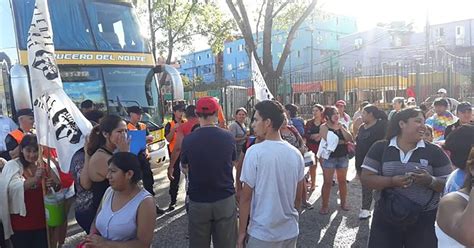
[216,220]
[335,163]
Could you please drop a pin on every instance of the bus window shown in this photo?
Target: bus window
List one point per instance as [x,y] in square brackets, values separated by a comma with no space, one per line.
[115,27]
[68,19]
[81,83]
[126,87]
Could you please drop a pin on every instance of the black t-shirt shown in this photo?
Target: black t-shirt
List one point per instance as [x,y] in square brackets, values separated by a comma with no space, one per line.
[367,137]
[209,152]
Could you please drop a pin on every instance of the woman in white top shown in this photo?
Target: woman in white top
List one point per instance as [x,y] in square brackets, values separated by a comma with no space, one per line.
[127,212]
[455,218]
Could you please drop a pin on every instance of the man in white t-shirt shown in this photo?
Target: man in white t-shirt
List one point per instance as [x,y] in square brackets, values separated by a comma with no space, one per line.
[272,177]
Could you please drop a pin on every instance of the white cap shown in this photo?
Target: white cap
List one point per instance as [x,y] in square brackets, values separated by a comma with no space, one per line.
[442,90]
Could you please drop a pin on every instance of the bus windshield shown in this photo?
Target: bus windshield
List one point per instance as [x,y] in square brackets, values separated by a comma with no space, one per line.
[126,87]
[89,25]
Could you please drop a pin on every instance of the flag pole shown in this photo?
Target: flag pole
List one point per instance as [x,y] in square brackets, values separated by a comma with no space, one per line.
[43,183]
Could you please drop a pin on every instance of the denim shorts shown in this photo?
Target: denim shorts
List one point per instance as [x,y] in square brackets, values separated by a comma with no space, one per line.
[336,163]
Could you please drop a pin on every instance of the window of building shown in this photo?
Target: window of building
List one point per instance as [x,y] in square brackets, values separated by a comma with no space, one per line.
[241,47]
[233,75]
[199,57]
[459,31]
[441,32]
[299,54]
[229,50]
[241,65]
[208,55]
[229,67]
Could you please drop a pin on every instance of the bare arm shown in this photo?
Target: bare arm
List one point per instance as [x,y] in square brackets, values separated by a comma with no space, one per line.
[177,149]
[299,193]
[323,131]
[98,172]
[347,135]
[455,220]
[172,132]
[372,180]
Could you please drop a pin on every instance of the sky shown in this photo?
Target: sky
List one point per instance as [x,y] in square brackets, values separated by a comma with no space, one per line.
[370,12]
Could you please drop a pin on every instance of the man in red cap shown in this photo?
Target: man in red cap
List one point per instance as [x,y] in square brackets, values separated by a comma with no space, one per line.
[344,118]
[208,154]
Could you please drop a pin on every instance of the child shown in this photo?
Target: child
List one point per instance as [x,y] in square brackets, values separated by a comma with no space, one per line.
[428,136]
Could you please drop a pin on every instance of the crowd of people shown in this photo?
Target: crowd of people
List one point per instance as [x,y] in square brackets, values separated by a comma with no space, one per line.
[414,162]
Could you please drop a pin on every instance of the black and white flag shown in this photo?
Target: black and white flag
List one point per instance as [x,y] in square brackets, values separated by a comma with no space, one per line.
[59,123]
[260,87]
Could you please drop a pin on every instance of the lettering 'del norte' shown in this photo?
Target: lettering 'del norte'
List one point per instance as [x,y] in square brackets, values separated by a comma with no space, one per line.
[104,57]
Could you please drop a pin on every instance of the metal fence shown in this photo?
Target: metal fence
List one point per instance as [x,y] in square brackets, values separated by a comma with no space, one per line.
[377,84]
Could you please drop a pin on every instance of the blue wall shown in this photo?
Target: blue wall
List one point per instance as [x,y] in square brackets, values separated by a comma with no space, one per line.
[323,29]
[201,63]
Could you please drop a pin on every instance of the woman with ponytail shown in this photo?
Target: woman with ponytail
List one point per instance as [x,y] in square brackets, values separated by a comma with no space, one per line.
[107,137]
[373,129]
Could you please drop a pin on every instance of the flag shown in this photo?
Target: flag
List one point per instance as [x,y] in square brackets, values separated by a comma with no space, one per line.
[59,123]
[261,90]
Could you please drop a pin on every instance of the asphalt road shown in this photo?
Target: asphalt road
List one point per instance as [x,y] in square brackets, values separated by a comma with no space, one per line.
[337,229]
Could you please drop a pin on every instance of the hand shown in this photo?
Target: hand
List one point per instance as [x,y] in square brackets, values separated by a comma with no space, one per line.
[402,181]
[422,177]
[241,241]
[170,173]
[95,240]
[123,143]
[50,183]
[149,138]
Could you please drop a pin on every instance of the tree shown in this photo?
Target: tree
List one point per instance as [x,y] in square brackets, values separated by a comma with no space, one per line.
[276,14]
[176,22]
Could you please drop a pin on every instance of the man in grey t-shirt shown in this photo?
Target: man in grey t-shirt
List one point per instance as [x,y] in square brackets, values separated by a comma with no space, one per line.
[271,166]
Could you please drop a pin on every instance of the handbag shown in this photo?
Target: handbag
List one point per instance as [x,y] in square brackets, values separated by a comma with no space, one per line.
[398,209]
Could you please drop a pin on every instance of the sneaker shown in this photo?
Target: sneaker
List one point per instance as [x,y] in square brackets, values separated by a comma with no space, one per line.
[364,214]
[159,211]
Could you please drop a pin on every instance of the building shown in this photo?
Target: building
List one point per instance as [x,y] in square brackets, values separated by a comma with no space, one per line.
[202,65]
[398,44]
[316,40]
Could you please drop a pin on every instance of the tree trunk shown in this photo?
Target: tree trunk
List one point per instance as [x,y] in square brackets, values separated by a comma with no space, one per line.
[152,32]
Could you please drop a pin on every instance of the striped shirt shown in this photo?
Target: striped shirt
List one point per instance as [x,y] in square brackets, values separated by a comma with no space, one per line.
[387,159]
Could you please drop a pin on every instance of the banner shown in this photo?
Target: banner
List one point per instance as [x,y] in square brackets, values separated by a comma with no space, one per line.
[59,123]
[261,90]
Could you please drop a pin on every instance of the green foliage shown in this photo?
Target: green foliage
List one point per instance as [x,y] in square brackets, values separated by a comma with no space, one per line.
[289,15]
[176,22]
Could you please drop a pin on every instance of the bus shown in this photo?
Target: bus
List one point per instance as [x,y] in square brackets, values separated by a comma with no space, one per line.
[101,53]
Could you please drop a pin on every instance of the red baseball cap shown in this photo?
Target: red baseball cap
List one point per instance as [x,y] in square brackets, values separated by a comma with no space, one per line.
[341,102]
[207,105]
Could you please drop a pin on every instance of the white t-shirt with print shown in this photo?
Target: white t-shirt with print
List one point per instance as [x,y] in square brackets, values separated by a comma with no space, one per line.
[273,169]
